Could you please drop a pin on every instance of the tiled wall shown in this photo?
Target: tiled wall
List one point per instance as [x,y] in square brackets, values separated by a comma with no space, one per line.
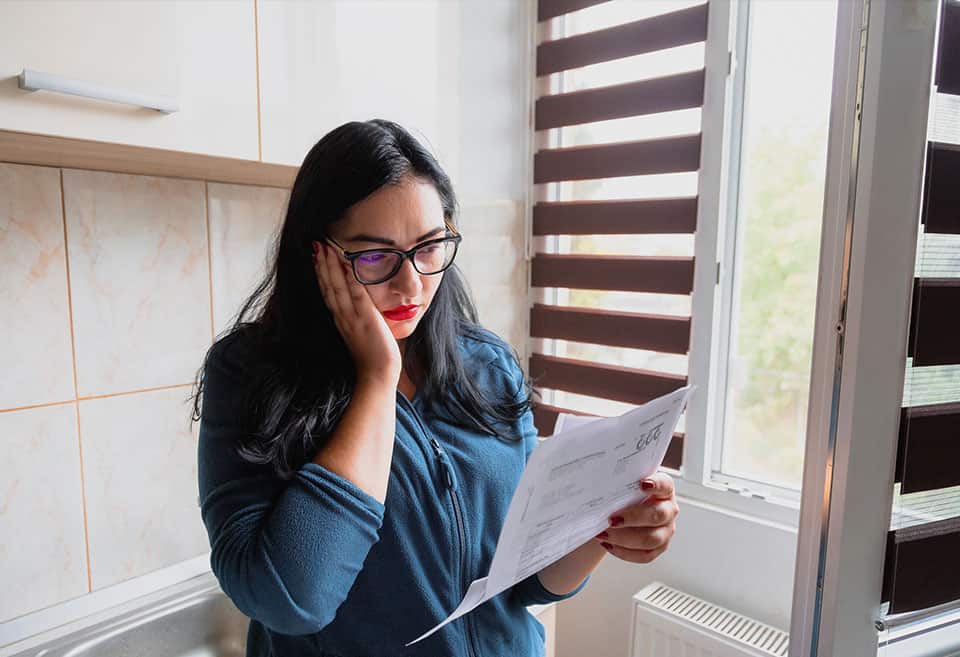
[113,286]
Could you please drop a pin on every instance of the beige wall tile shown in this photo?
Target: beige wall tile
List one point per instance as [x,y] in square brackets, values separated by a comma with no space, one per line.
[35,353]
[139,278]
[140,476]
[243,223]
[42,550]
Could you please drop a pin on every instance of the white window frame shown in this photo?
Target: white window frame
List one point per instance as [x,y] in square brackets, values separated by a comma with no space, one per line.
[876,156]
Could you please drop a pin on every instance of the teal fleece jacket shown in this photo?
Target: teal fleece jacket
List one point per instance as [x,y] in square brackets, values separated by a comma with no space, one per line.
[324,569]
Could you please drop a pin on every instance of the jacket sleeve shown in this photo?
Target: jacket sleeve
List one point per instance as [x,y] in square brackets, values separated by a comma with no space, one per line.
[285,552]
[531,590]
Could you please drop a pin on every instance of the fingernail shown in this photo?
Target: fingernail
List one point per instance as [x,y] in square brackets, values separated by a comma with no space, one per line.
[647,484]
[616,521]
[607,546]
[603,535]
[316,248]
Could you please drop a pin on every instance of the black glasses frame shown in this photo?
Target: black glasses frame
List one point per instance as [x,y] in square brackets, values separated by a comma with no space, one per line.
[351,256]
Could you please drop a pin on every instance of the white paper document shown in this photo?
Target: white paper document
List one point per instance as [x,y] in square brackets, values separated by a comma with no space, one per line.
[572,484]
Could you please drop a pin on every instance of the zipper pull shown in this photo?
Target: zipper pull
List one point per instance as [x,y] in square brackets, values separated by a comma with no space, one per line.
[444,465]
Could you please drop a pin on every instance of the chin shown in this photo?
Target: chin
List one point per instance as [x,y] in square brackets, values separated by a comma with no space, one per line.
[403,332]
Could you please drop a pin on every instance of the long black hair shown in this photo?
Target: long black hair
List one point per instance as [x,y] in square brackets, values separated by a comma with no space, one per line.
[302,374]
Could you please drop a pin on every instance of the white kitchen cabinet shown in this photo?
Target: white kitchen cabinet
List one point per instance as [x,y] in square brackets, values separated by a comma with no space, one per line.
[201,52]
[325,63]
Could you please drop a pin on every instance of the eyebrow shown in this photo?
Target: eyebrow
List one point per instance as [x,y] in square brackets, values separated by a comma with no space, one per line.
[363,237]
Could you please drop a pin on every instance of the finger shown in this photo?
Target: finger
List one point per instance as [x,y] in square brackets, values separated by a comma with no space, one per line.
[636,556]
[646,514]
[337,281]
[659,485]
[358,292]
[355,289]
[320,269]
[639,538]
[323,277]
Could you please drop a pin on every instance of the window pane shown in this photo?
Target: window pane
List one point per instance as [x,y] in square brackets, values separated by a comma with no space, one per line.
[633,128]
[631,302]
[642,359]
[661,185]
[636,67]
[633,245]
[618,12]
[603,407]
[789,67]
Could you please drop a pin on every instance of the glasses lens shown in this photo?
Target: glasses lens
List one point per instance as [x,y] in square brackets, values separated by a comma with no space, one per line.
[376,265]
[434,258]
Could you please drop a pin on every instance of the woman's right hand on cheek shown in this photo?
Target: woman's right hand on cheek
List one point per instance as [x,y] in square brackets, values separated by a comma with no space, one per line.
[375,353]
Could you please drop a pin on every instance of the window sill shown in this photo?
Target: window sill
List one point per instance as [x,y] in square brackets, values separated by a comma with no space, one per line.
[784,514]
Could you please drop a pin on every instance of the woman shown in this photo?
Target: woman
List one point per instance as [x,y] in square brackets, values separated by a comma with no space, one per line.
[361,438]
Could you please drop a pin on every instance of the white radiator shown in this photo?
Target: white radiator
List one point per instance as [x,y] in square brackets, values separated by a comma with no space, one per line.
[671,623]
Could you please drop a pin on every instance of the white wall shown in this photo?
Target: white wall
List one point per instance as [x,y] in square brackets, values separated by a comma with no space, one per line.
[735,561]
[489,164]
[493,87]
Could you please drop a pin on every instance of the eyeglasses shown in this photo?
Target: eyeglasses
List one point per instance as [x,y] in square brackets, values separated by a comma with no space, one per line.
[372,266]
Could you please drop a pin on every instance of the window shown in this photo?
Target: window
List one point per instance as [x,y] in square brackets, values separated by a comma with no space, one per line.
[919,570]
[618,129]
[762,253]
[779,123]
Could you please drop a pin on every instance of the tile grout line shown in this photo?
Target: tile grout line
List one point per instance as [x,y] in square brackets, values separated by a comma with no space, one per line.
[90,397]
[76,385]
[206,215]
[256,51]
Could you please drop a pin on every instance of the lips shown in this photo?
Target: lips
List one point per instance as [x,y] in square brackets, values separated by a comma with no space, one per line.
[401,313]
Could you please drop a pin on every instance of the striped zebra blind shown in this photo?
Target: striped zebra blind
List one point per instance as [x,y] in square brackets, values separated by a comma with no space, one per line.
[923,545]
[561,211]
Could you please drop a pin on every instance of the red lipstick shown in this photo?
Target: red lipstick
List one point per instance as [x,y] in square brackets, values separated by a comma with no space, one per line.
[401,313]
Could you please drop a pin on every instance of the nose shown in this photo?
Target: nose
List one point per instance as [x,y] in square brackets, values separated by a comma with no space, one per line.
[407,281]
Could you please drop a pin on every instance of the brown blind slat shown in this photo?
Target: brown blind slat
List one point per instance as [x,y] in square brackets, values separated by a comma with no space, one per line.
[666,94]
[928,455]
[623,384]
[674,456]
[947,74]
[648,35]
[665,275]
[635,158]
[615,329]
[545,419]
[920,566]
[941,207]
[935,322]
[621,217]
[547,9]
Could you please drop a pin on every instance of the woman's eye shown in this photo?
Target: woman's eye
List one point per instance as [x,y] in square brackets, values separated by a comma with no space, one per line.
[372,258]
[433,248]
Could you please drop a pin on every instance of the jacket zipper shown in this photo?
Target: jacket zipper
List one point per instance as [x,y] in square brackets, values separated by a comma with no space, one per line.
[447,468]
[447,471]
